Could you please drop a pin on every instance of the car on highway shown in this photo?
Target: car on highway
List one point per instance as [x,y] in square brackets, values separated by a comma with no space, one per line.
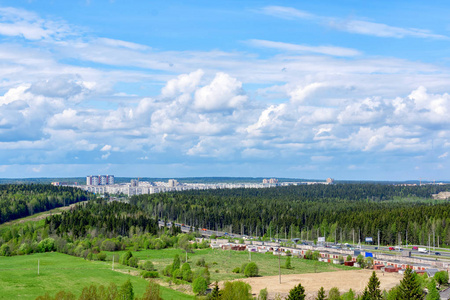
[415,248]
[437,253]
[391,248]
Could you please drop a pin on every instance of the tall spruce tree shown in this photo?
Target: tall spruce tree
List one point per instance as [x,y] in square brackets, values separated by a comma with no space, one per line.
[373,292]
[409,288]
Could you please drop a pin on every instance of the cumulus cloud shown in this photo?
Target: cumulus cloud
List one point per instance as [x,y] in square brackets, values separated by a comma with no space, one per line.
[184,83]
[223,93]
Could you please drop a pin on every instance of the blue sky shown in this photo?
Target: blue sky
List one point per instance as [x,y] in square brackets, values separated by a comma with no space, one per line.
[340,89]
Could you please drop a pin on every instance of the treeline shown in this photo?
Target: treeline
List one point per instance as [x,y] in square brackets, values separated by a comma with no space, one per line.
[86,230]
[22,200]
[107,218]
[339,212]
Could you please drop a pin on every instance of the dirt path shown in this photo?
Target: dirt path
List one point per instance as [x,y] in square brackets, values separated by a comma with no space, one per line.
[344,280]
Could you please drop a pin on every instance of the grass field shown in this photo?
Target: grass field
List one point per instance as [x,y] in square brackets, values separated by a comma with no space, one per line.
[225,261]
[19,278]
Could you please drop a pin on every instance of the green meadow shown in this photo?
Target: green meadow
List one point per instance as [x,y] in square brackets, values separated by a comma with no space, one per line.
[222,262]
[19,277]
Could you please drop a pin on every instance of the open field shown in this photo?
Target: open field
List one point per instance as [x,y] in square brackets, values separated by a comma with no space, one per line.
[356,280]
[19,279]
[225,261]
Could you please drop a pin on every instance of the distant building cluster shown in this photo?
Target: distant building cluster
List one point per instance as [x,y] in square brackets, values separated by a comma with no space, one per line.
[271,180]
[103,184]
[100,180]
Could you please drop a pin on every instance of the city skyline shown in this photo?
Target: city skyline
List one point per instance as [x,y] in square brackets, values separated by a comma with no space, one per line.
[286,89]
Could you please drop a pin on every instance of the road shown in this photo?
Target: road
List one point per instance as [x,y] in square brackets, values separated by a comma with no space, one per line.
[414,253]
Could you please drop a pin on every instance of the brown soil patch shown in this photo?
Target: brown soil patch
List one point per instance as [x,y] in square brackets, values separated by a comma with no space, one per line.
[344,280]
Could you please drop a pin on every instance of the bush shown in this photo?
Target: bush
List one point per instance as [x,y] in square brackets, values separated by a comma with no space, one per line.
[133,262]
[441,277]
[349,258]
[236,270]
[147,266]
[203,272]
[251,270]
[125,257]
[149,274]
[101,256]
[186,272]
[360,260]
[201,262]
[243,268]
[46,245]
[263,294]
[316,255]
[334,294]
[287,264]
[236,290]
[199,285]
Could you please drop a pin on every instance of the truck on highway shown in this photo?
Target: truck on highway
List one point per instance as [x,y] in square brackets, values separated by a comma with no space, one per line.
[423,250]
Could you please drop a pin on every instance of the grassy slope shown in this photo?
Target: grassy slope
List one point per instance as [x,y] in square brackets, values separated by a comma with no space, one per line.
[19,279]
[228,260]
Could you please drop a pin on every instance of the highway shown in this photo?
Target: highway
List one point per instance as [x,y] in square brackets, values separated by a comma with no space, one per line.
[414,253]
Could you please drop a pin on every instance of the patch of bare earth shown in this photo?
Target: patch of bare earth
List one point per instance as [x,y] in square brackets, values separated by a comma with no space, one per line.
[344,280]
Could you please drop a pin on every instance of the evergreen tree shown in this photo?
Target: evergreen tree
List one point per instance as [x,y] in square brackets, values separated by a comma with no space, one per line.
[373,288]
[321,294]
[297,293]
[433,293]
[215,293]
[409,288]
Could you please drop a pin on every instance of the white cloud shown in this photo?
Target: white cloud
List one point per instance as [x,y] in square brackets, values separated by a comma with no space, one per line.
[184,83]
[19,22]
[443,155]
[106,148]
[327,50]
[223,93]
[352,26]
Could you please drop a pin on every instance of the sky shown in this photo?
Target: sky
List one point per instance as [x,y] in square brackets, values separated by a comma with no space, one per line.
[352,90]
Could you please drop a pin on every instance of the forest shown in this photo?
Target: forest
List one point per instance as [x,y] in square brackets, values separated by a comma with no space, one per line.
[22,200]
[341,212]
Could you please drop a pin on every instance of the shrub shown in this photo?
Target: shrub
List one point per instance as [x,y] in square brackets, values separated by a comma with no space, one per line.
[243,268]
[101,256]
[334,294]
[147,266]
[125,257]
[263,294]
[149,274]
[199,285]
[176,263]
[349,258]
[186,272]
[251,270]
[203,272]
[201,262]
[441,277]
[236,270]
[287,264]
[236,290]
[133,262]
